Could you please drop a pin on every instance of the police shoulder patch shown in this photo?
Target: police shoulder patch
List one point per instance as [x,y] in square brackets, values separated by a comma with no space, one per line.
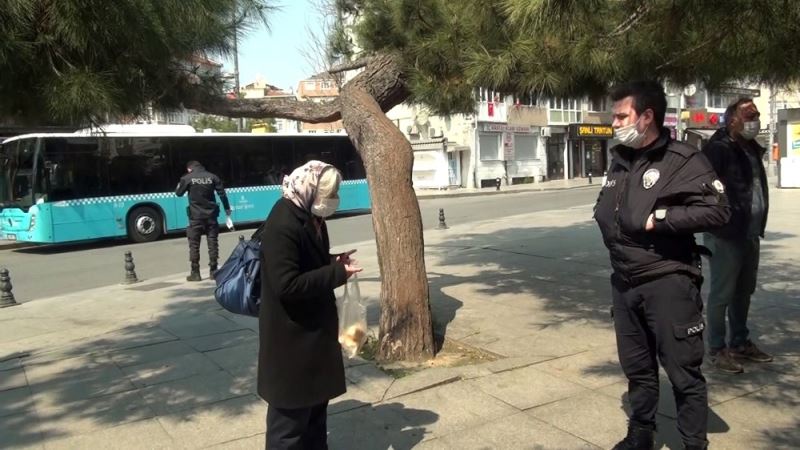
[718,186]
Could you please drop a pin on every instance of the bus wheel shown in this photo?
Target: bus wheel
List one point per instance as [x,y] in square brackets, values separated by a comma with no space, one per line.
[145,224]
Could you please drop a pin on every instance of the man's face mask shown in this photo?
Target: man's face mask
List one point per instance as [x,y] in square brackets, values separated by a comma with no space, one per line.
[325,207]
[629,135]
[750,129]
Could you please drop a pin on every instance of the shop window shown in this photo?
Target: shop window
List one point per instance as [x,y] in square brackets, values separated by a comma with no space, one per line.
[524,146]
[489,147]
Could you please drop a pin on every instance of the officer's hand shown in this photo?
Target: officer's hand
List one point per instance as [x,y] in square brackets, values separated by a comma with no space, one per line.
[651,224]
[352,270]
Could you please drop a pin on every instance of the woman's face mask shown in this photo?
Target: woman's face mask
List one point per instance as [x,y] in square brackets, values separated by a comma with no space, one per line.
[325,207]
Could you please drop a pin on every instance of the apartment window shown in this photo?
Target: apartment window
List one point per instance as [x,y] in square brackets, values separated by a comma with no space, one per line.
[720,100]
[564,110]
[598,104]
[489,147]
[525,99]
[524,146]
[488,95]
[310,86]
[327,84]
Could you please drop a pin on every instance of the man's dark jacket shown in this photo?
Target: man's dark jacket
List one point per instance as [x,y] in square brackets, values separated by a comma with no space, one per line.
[735,170]
[299,358]
[664,175]
[201,185]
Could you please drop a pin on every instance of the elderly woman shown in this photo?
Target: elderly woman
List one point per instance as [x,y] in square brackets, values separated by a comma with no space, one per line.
[300,364]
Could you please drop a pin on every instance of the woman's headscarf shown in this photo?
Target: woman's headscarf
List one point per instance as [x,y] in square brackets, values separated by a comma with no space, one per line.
[301,185]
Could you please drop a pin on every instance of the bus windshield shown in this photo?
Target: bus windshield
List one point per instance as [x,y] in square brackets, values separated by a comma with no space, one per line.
[17,174]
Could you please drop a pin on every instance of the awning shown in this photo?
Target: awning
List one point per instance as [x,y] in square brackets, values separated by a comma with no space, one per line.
[429,144]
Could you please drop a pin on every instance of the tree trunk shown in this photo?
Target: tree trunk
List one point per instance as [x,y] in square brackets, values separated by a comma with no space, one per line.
[406,331]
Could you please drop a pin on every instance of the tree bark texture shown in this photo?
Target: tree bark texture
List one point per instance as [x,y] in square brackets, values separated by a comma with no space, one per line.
[406,331]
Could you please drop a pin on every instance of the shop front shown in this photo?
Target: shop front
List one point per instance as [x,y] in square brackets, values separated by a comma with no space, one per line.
[588,149]
[513,153]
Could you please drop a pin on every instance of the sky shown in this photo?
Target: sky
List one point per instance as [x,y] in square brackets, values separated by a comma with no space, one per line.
[276,55]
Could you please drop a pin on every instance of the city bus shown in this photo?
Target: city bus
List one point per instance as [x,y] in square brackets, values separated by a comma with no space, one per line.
[67,187]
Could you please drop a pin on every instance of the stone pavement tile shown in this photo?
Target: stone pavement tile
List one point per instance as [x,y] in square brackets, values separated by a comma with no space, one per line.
[15,401]
[596,418]
[222,340]
[146,433]
[506,364]
[188,326]
[424,379]
[86,416]
[561,339]
[21,431]
[13,379]
[217,423]
[251,323]
[527,387]
[452,407]
[352,399]
[785,364]
[765,419]
[90,384]
[132,337]
[71,367]
[381,426]
[592,369]
[520,431]
[235,356]
[248,443]
[170,369]
[150,353]
[9,364]
[369,379]
[186,393]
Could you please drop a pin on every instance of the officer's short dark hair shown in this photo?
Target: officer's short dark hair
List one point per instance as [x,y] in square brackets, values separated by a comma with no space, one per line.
[191,164]
[646,95]
[730,112]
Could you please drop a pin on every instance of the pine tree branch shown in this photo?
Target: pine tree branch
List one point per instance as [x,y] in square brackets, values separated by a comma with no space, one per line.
[632,20]
[352,65]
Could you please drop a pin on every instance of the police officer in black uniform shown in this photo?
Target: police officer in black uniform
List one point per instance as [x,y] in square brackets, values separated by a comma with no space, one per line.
[203,212]
[657,194]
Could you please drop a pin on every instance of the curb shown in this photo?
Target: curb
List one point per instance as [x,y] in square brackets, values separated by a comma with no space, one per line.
[16,245]
[515,191]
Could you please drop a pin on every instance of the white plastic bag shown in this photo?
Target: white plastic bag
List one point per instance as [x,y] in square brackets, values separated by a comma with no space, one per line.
[352,319]
[229,223]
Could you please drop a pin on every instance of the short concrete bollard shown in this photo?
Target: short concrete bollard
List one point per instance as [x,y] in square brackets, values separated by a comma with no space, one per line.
[497,183]
[6,297]
[241,238]
[442,224]
[130,273]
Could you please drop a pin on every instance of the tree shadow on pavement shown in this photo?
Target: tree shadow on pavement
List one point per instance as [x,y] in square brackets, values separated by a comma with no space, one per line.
[382,426]
[190,367]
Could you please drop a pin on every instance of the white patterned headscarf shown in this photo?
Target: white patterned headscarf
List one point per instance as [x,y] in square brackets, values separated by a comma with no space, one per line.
[309,180]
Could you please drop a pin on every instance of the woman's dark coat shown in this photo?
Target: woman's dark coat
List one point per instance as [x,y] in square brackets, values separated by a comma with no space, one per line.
[300,359]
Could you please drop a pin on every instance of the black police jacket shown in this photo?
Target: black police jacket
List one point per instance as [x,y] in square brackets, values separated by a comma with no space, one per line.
[201,185]
[731,163]
[667,175]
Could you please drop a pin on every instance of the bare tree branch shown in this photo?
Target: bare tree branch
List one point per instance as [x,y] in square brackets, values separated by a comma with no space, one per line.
[382,78]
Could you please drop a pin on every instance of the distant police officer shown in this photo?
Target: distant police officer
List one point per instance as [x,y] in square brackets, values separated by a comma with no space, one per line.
[203,212]
[657,194]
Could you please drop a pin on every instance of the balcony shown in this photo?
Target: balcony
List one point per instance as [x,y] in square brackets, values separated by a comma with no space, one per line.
[492,112]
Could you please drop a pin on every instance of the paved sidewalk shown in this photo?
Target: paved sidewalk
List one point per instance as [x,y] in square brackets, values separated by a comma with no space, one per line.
[159,365]
[552,185]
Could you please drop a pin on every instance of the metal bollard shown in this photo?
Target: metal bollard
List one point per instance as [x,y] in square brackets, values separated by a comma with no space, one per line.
[241,238]
[130,274]
[497,183]
[442,224]
[590,177]
[6,297]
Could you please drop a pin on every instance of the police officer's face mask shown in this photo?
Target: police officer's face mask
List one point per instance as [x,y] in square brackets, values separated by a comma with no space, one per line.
[629,135]
[325,207]
[750,129]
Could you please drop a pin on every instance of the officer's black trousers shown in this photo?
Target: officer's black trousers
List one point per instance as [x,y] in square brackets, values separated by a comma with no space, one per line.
[297,429]
[663,318]
[197,228]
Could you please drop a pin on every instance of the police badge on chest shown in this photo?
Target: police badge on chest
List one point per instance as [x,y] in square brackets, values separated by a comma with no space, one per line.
[650,178]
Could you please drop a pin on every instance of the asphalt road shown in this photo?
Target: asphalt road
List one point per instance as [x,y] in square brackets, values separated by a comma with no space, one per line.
[46,271]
